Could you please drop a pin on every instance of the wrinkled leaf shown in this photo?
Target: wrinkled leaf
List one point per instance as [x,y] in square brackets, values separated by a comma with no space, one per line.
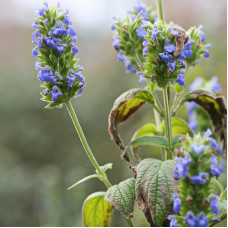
[124,106]
[122,197]
[178,127]
[154,188]
[97,212]
[215,106]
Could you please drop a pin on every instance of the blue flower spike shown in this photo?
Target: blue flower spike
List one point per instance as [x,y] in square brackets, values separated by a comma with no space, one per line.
[196,167]
[56,53]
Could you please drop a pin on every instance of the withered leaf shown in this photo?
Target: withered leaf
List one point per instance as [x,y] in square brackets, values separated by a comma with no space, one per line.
[126,105]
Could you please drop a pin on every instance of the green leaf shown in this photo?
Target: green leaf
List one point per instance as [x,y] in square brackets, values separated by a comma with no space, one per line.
[97,212]
[106,167]
[176,139]
[126,105]
[154,140]
[85,179]
[155,186]
[179,126]
[146,130]
[122,197]
[178,88]
[215,106]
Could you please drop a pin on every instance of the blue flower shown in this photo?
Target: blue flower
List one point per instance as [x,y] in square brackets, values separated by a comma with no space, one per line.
[180,78]
[46,75]
[170,48]
[191,219]
[58,29]
[176,203]
[74,49]
[165,57]
[213,166]
[121,57]
[45,21]
[213,142]
[196,83]
[202,220]
[219,149]
[34,25]
[221,166]
[154,33]
[198,148]
[173,221]
[202,35]
[72,31]
[67,20]
[141,77]
[128,66]
[34,52]
[116,42]
[145,51]
[215,86]
[207,53]
[200,178]
[55,93]
[141,32]
[80,90]
[214,205]
[172,65]
[181,167]
[41,11]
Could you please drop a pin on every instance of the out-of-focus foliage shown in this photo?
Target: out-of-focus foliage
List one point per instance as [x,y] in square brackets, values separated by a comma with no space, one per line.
[40,154]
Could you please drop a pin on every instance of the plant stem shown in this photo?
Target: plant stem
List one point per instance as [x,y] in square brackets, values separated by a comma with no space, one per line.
[160,10]
[88,150]
[85,144]
[176,99]
[168,122]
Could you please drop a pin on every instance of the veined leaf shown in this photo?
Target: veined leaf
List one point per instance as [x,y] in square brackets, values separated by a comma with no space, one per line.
[124,106]
[122,197]
[178,127]
[154,140]
[155,186]
[146,130]
[97,212]
[215,106]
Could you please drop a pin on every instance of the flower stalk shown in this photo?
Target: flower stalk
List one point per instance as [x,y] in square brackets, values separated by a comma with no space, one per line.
[88,151]
[168,123]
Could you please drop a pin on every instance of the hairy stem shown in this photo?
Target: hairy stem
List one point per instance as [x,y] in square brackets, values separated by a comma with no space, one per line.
[88,150]
[168,122]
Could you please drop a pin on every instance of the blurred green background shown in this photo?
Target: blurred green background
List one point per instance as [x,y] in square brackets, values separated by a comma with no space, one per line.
[40,154]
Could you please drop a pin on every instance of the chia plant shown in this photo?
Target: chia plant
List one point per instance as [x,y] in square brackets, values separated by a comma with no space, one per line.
[178,189]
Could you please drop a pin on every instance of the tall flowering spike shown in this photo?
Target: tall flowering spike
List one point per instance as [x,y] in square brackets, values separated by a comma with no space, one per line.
[196,166]
[56,56]
[168,48]
[129,36]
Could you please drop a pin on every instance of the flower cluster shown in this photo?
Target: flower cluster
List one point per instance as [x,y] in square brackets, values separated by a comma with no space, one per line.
[56,53]
[196,166]
[128,36]
[167,50]
[198,120]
